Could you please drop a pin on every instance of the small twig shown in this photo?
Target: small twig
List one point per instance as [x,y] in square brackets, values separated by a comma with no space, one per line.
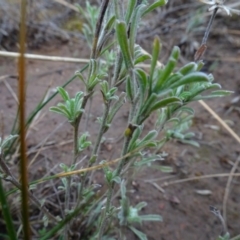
[200,52]
[219,119]
[217,213]
[208,29]
[166,184]
[44,57]
[227,189]
[157,186]
[69,5]
[11,91]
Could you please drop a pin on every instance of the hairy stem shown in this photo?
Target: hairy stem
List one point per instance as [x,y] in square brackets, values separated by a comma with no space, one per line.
[95,149]
[75,156]
[106,214]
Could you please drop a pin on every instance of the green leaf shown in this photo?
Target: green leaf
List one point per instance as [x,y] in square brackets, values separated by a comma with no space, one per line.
[60,111]
[140,205]
[147,160]
[63,93]
[164,103]
[110,23]
[135,136]
[164,169]
[190,142]
[188,68]
[143,83]
[122,37]
[138,233]
[151,135]
[115,107]
[123,189]
[134,26]
[154,6]
[6,214]
[226,237]
[151,217]
[167,70]
[130,9]
[200,64]
[214,94]
[148,104]
[141,59]
[155,53]
[129,89]
[186,109]
[172,79]
[6,141]
[191,78]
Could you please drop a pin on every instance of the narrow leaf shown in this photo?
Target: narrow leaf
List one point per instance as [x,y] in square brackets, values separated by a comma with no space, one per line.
[165,102]
[191,78]
[134,26]
[154,6]
[155,54]
[6,214]
[148,104]
[190,67]
[122,37]
[151,217]
[139,234]
[130,8]
[63,93]
[167,70]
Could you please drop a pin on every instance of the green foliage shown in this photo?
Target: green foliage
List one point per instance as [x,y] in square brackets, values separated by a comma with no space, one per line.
[71,109]
[5,142]
[6,213]
[129,215]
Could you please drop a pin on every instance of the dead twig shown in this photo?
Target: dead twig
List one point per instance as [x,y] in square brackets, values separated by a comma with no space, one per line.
[166,184]
[227,189]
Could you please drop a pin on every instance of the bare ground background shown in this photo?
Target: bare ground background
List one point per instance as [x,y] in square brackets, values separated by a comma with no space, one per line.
[185,212]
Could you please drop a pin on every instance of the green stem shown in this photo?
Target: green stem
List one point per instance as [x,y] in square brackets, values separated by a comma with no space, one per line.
[75,156]
[95,149]
[102,129]
[106,213]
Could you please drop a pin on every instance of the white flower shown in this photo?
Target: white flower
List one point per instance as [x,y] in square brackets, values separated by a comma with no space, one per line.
[220,4]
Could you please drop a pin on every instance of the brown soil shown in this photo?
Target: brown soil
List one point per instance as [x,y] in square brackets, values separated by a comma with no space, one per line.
[185,212]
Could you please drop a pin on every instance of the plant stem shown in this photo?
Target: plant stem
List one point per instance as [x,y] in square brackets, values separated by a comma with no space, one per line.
[102,129]
[106,213]
[95,149]
[75,156]
[205,38]
[103,9]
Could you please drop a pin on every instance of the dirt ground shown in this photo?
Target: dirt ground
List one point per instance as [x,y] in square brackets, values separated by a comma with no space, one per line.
[184,208]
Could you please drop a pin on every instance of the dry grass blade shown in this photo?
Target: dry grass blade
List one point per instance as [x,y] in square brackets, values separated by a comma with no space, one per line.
[44,57]
[227,189]
[11,91]
[220,120]
[69,5]
[166,184]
